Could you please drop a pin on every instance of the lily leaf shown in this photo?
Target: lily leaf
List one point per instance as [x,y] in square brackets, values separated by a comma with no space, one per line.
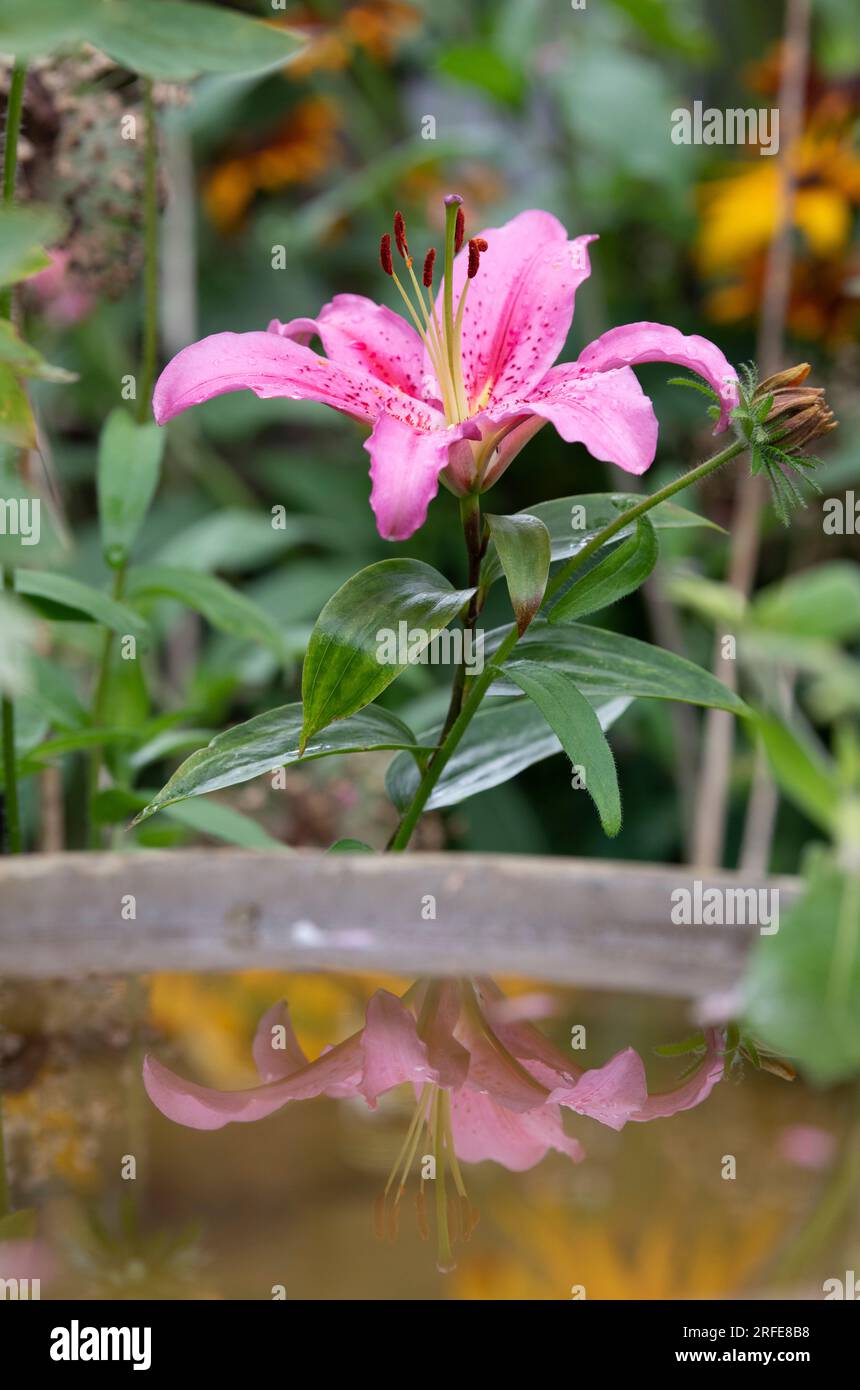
[402,604]
[612,578]
[270,741]
[573,720]
[523,546]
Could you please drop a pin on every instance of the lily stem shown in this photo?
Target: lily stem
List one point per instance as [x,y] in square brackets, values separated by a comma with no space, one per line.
[470,514]
[479,685]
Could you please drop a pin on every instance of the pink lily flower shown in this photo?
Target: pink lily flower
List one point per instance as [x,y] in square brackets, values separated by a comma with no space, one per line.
[486,1088]
[456,393]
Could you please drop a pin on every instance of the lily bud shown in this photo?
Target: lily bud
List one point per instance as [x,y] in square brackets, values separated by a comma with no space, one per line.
[798,414]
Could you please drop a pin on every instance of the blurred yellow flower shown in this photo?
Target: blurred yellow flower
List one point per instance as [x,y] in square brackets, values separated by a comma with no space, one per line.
[552,1252]
[214,1017]
[739,216]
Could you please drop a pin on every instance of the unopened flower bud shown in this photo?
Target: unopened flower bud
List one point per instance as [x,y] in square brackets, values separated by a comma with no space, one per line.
[798,414]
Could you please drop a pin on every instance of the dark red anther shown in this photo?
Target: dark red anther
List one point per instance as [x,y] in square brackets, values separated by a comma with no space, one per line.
[400,234]
[474,258]
[429,260]
[481,243]
[459,230]
[385,255]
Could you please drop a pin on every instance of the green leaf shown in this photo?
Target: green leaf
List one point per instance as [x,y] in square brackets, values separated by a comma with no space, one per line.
[222,822]
[504,738]
[713,601]
[68,600]
[162,39]
[28,535]
[17,426]
[235,540]
[823,602]
[612,578]
[24,360]
[802,773]
[347,664]
[17,636]
[74,741]
[573,521]
[19,1225]
[350,847]
[607,663]
[225,608]
[271,741]
[523,546]
[23,234]
[577,727]
[213,818]
[802,992]
[481,65]
[129,464]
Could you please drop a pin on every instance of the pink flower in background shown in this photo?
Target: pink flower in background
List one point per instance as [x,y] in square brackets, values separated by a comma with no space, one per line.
[458,391]
[485,1090]
[63,299]
[807,1146]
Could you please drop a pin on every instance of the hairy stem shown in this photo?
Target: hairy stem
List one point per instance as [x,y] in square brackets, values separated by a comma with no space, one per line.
[479,685]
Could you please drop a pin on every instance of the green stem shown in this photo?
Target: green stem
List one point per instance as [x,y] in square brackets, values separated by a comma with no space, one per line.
[11,809]
[12,814]
[10,157]
[481,684]
[470,514]
[5,1205]
[94,838]
[149,358]
[150,270]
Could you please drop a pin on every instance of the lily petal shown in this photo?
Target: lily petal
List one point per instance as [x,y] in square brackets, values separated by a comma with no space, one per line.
[520,304]
[612,1094]
[692,1091]
[273,1062]
[607,411]
[633,343]
[271,365]
[392,1051]
[337,1072]
[356,332]
[405,465]
[483,1129]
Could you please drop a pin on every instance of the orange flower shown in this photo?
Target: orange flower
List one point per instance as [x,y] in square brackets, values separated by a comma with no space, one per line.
[375,27]
[302,149]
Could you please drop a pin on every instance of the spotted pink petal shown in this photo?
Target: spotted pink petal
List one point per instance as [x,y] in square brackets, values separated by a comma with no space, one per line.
[633,343]
[356,332]
[405,466]
[607,411]
[483,1129]
[448,1058]
[520,304]
[392,1051]
[692,1091]
[271,365]
[612,1094]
